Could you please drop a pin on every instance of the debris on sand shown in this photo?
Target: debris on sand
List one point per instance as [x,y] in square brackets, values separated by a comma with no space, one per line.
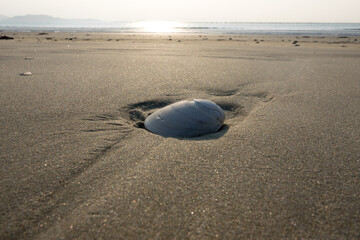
[6,38]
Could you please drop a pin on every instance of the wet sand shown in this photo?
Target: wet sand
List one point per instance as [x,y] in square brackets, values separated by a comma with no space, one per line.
[75,164]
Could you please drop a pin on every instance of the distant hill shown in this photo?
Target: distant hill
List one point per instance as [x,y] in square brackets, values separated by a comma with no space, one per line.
[48,21]
[2,17]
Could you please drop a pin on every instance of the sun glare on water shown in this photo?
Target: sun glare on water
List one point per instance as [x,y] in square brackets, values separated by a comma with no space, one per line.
[158,26]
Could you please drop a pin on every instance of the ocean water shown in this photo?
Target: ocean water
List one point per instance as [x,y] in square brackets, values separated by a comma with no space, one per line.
[275,28]
[332,29]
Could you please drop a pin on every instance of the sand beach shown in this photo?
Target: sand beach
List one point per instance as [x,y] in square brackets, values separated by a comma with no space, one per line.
[76,164]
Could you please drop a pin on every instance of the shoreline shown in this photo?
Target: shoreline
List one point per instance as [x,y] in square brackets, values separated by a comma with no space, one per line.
[260,40]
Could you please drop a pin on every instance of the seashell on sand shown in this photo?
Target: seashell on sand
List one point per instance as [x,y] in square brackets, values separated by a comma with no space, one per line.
[26,74]
[186,119]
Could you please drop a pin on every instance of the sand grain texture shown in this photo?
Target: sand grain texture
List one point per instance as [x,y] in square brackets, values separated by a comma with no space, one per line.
[74,166]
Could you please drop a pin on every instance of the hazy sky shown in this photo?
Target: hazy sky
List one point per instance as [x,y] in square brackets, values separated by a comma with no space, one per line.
[191,10]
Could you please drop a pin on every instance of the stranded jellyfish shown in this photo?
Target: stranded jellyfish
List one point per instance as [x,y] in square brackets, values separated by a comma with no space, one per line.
[186,119]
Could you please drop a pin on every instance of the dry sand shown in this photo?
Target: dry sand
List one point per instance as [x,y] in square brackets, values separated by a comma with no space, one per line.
[74,166]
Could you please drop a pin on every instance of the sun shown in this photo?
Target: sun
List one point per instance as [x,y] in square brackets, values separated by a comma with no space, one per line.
[158,26]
